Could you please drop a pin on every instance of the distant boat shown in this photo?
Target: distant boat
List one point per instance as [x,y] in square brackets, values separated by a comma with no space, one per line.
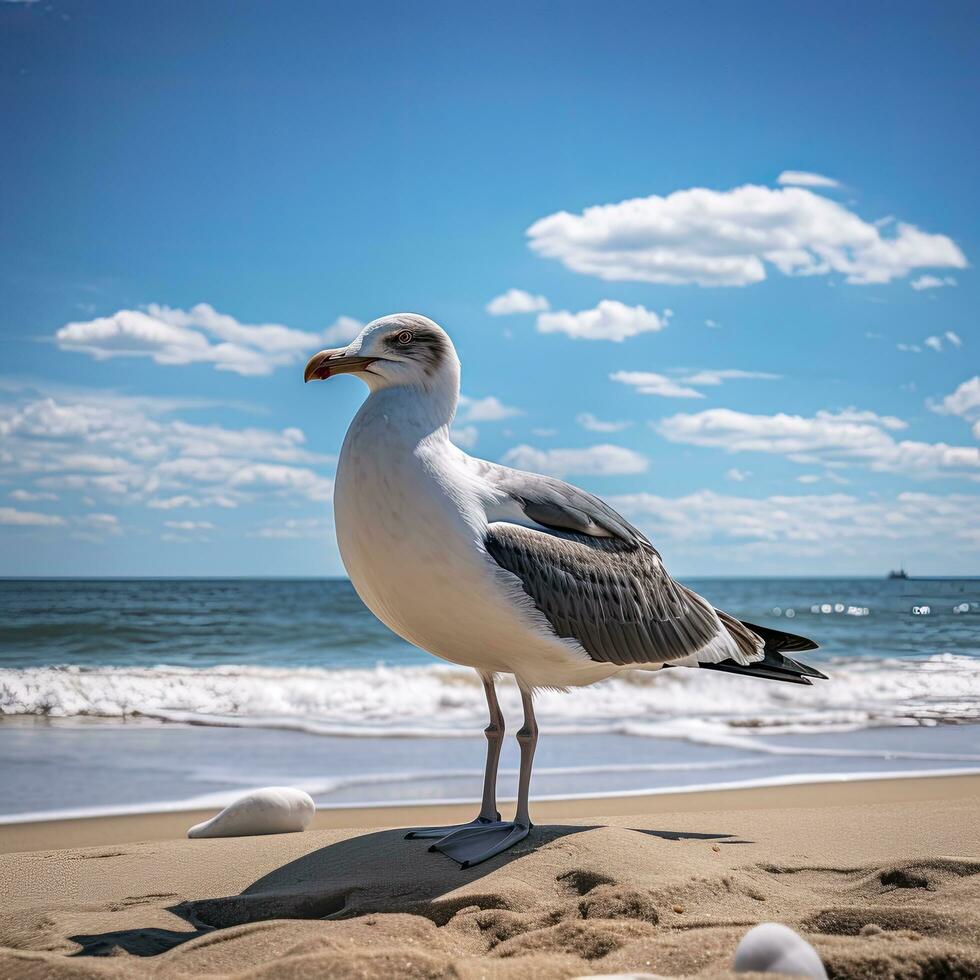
[901,573]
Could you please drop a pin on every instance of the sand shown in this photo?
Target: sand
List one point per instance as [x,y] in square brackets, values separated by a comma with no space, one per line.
[882,877]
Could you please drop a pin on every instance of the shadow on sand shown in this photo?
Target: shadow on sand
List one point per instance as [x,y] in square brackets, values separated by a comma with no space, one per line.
[376,872]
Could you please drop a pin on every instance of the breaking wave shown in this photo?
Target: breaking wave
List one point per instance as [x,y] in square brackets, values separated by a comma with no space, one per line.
[445,701]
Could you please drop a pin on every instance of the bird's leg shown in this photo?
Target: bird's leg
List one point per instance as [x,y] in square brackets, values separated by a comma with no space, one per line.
[495,737]
[475,843]
[528,739]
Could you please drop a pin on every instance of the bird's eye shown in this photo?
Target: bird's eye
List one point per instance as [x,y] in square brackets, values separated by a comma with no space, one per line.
[405,337]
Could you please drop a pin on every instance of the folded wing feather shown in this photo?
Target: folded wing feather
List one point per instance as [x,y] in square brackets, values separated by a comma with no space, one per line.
[599,581]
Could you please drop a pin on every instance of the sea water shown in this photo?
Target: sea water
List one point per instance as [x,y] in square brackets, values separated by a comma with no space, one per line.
[122,695]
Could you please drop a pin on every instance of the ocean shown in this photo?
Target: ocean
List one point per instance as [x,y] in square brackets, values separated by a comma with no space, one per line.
[141,694]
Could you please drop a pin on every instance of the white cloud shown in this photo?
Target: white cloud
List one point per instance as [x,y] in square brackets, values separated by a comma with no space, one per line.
[132,450]
[182,500]
[828,477]
[516,301]
[711,377]
[651,383]
[588,421]
[858,415]
[934,342]
[28,496]
[96,527]
[730,238]
[342,331]
[465,436]
[737,475]
[305,528]
[610,320]
[189,525]
[602,460]
[100,520]
[932,282]
[489,409]
[10,515]
[964,402]
[837,524]
[199,335]
[842,437]
[471,410]
[90,462]
[714,324]
[803,178]
[292,479]
[544,433]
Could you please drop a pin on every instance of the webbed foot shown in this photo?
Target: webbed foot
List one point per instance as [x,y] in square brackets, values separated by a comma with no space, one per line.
[424,833]
[480,842]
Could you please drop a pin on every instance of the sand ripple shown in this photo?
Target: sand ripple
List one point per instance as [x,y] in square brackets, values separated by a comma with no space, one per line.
[671,895]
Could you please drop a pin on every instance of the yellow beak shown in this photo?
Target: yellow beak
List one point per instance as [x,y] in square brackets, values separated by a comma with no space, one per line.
[336,361]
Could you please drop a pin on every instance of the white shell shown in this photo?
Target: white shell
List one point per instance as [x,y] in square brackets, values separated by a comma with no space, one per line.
[621,976]
[273,810]
[775,948]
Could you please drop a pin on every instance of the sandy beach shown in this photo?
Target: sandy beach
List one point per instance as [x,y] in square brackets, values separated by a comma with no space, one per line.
[881,876]
[516,467]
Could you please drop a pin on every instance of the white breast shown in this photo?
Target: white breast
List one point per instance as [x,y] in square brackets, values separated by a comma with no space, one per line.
[411,518]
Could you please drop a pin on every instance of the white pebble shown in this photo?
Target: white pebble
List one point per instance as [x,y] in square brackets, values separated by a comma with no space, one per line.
[775,948]
[273,810]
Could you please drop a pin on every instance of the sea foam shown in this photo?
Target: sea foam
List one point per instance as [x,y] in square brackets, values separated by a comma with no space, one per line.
[445,701]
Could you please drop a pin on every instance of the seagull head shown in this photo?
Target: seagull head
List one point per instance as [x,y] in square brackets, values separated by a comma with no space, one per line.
[403,349]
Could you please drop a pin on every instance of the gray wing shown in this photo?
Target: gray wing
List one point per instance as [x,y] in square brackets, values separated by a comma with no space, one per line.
[597,579]
[556,504]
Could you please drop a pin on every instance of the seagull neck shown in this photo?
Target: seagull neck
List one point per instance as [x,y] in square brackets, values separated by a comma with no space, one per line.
[412,411]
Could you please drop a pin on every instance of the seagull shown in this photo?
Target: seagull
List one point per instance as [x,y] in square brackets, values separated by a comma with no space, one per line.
[501,570]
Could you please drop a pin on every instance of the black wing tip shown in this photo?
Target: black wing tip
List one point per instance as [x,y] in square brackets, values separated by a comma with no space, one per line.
[773,666]
[760,671]
[809,671]
[795,666]
[781,640]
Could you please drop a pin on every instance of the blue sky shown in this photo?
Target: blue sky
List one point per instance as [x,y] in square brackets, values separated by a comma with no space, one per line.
[770,377]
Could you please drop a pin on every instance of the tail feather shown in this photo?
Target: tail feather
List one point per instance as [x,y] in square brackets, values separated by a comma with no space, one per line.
[794,666]
[761,670]
[773,665]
